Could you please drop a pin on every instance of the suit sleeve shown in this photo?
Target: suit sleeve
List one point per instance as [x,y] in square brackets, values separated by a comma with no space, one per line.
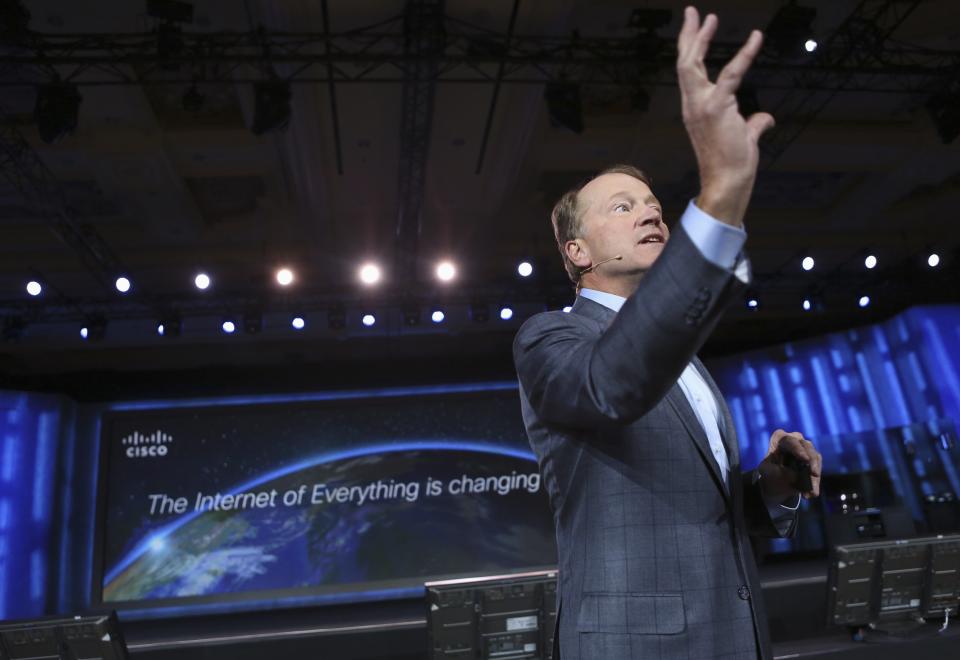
[575,377]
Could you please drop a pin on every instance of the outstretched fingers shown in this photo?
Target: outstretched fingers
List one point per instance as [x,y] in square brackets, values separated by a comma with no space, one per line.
[732,74]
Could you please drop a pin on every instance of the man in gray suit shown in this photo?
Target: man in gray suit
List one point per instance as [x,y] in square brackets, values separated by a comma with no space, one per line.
[636,446]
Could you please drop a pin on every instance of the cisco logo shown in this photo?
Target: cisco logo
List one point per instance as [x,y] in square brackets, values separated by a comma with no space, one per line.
[146,446]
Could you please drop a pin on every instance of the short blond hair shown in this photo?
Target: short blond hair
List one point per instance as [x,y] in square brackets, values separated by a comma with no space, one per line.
[567,216]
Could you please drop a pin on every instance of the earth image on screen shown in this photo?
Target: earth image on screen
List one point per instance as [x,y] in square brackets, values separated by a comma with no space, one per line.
[333,543]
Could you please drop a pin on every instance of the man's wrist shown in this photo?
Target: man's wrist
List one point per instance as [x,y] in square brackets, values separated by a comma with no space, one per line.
[726,200]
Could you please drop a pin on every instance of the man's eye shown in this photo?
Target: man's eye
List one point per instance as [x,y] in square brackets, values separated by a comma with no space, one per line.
[621,208]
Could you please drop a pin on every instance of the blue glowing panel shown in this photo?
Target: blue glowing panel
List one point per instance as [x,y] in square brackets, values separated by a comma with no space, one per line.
[893,374]
[30,430]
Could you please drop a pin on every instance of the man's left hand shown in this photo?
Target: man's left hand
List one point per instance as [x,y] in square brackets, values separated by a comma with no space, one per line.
[780,482]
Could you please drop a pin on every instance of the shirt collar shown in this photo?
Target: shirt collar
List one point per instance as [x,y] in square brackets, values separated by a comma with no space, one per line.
[608,300]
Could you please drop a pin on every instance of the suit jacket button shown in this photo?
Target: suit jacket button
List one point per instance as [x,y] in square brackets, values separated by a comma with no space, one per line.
[744,592]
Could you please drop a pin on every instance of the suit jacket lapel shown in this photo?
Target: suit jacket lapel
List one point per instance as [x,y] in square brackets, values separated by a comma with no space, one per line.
[728,432]
[675,397]
[678,401]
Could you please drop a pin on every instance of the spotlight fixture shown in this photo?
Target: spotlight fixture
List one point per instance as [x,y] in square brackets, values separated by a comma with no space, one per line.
[228,326]
[864,301]
[753,303]
[297,323]
[122,284]
[506,313]
[56,110]
[564,105]
[337,317]
[807,263]
[369,320]
[437,316]
[252,323]
[567,309]
[34,288]
[202,281]
[370,274]
[810,45]
[169,326]
[870,262]
[791,30]
[284,277]
[94,328]
[271,106]
[479,312]
[446,271]
[807,304]
[525,269]
[933,260]
[411,315]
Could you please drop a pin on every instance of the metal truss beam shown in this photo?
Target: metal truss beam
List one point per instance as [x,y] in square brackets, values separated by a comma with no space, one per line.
[853,60]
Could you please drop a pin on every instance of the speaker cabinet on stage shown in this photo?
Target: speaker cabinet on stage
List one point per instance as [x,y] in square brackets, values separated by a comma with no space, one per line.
[507,616]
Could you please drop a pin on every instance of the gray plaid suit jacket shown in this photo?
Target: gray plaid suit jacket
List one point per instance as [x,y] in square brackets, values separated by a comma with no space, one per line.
[654,556]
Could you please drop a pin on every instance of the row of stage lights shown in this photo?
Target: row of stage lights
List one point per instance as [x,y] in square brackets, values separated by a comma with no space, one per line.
[369,274]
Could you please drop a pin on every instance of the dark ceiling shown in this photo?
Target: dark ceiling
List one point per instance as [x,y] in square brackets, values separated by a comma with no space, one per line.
[420,130]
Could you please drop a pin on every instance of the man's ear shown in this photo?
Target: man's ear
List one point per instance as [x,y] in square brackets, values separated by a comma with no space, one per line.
[577,253]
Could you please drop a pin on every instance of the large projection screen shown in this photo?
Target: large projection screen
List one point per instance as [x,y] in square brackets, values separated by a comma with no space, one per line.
[345,496]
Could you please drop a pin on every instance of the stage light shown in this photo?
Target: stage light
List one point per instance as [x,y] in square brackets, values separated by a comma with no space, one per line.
[411,315]
[437,316]
[567,309]
[122,284]
[337,317]
[94,328]
[298,323]
[271,106]
[564,105]
[870,262]
[790,30]
[864,301]
[252,323]
[506,313]
[525,269]
[284,277]
[807,263]
[479,312]
[446,271]
[753,303]
[202,281]
[369,320]
[228,327]
[56,111]
[933,260]
[169,326]
[34,288]
[807,305]
[370,274]
[810,45]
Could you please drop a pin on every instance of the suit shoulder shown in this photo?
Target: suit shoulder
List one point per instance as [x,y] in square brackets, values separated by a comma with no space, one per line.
[548,322]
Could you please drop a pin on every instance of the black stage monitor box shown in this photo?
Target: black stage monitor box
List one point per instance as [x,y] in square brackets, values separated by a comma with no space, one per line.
[890,581]
[506,616]
[93,637]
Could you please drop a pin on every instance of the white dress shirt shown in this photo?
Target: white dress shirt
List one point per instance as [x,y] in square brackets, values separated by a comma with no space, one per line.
[720,244]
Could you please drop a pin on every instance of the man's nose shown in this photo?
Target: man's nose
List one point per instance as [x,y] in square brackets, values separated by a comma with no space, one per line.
[650,219]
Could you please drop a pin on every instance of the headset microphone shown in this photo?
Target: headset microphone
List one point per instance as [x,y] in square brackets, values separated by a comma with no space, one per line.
[596,265]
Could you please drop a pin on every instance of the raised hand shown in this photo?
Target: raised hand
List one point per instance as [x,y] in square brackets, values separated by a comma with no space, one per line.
[724,142]
[778,480]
